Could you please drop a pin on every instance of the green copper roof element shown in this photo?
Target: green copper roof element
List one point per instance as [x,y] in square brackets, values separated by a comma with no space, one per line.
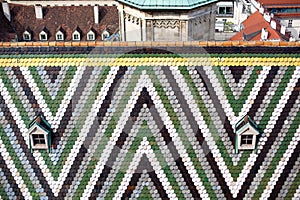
[42,122]
[167,4]
[245,120]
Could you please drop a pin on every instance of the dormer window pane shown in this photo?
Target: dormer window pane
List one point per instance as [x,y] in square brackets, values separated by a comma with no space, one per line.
[91,37]
[246,139]
[43,36]
[76,36]
[59,35]
[26,37]
[38,139]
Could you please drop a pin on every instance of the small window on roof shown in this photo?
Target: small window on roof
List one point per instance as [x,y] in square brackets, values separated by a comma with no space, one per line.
[38,138]
[26,36]
[40,134]
[90,35]
[246,134]
[43,36]
[59,35]
[76,35]
[105,35]
[246,139]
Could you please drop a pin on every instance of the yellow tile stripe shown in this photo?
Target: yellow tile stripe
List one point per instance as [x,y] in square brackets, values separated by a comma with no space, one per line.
[152,61]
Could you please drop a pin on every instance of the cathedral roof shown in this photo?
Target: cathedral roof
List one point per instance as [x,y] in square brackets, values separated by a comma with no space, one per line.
[150,120]
[167,4]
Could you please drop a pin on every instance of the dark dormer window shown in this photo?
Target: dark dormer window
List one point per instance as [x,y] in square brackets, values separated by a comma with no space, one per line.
[76,35]
[246,139]
[91,35]
[39,138]
[26,36]
[105,35]
[43,36]
[246,134]
[59,35]
[40,134]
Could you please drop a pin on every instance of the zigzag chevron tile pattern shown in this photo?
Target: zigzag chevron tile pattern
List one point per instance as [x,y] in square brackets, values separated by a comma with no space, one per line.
[146,123]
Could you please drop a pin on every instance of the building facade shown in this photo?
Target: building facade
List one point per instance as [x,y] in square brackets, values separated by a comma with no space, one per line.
[168,22]
[121,20]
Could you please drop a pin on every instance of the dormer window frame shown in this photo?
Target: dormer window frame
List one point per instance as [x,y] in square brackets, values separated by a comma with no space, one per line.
[246,134]
[59,36]
[40,134]
[38,138]
[26,36]
[76,35]
[43,36]
[91,36]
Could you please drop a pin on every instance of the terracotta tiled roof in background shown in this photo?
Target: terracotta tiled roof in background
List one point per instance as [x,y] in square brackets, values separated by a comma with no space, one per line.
[277,3]
[6,30]
[66,18]
[253,26]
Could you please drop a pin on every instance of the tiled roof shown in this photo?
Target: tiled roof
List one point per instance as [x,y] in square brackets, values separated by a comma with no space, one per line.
[150,122]
[167,4]
[6,30]
[253,26]
[277,3]
[68,18]
[287,15]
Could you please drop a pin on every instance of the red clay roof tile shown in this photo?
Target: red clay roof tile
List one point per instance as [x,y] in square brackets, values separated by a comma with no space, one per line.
[252,29]
[67,18]
[279,2]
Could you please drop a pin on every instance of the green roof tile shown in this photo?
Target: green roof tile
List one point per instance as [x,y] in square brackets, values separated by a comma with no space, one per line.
[167,4]
[148,124]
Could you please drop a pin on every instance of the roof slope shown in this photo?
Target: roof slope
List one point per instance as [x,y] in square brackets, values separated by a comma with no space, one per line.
[253,26]
[67,18]
[286,3]
[158,123]
[6,30]
[167,4]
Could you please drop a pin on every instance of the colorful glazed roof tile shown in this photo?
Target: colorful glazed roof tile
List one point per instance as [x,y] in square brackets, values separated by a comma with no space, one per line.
[167,4]
[252,29]
[150,121]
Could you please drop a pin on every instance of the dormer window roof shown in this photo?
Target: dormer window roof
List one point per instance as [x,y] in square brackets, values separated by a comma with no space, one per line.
[59,35]
[76,35]
[40,134]
[26,35]
[43,35]
[246,134]
[91,35]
